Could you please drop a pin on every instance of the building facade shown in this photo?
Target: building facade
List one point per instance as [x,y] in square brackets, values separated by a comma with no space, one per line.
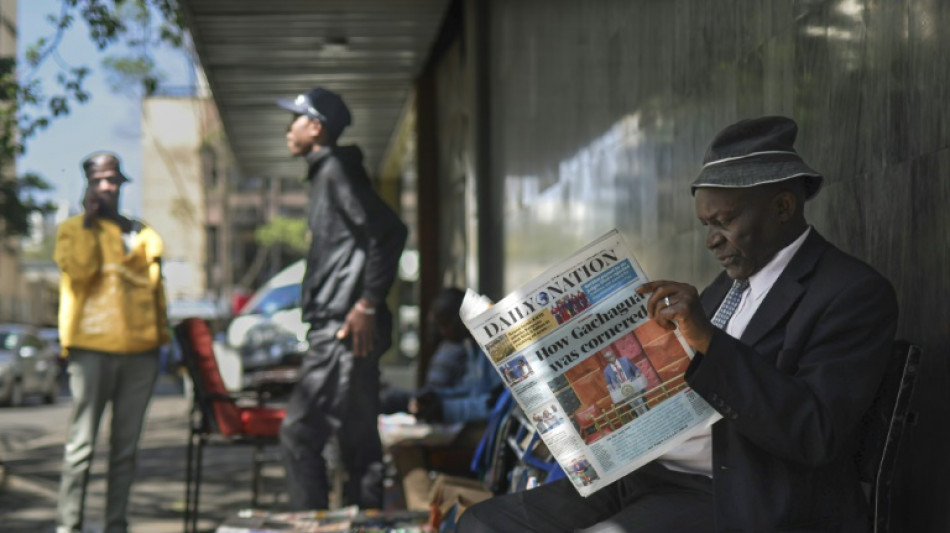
[204,208]
[9,258]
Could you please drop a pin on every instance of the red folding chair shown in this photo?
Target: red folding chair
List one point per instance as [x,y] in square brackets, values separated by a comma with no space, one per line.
[217,417]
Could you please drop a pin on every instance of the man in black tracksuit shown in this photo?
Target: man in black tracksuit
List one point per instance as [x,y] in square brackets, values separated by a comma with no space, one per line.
[356,242]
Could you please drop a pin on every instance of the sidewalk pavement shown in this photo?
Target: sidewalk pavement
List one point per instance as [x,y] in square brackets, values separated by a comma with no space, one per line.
[31,450]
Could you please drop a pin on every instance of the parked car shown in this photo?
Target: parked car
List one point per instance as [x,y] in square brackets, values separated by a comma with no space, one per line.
[28,365]
[269,347]
[51,336]
[269,331]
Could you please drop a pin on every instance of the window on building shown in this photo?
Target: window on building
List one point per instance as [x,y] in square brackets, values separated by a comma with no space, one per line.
[209,163]
[250,184]
[292,212]
[212,240]
[288,185]
[245,214]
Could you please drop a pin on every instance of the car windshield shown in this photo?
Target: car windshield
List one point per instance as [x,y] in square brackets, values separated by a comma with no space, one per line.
[274,300]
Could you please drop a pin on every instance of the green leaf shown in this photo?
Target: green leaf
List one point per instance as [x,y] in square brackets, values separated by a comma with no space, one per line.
[289,232]
[30,106]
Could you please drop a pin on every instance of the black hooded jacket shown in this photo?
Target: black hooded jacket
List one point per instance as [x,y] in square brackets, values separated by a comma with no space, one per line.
[356,239]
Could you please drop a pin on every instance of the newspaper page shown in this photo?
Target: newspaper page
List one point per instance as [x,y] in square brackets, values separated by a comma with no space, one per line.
[602,383]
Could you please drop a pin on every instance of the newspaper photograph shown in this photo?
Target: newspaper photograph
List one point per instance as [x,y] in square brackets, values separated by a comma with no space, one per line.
[602,383]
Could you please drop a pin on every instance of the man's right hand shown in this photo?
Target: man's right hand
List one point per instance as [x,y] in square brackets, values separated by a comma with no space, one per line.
[91,204]
[675,305]
[96,207]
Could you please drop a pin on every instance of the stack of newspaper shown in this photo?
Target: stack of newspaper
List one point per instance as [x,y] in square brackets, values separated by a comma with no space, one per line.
[602,382]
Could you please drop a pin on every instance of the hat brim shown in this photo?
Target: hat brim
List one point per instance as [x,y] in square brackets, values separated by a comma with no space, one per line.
[123,177]
[289,105]
[741,173]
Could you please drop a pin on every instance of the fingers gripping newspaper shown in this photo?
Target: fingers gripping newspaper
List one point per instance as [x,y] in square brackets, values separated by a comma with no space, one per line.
[601,381]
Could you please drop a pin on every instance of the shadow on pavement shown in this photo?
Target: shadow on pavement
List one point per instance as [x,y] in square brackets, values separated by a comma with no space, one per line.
[32,455]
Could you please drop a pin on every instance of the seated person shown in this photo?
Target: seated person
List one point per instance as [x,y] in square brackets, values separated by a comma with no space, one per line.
[462,386]
[792,340]
[471,383]
[470,401]
[447,366]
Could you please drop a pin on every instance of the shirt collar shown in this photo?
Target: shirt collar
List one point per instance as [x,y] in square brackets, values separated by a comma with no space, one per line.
[762,281]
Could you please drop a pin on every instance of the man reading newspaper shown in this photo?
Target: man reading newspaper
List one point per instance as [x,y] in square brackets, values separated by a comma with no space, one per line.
[791,342]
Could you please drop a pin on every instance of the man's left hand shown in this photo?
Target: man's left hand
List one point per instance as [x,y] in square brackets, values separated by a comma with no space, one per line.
[676,305]
[360,327]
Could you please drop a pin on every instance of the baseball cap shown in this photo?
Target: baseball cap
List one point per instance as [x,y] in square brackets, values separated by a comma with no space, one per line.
[103,160]
[320,104]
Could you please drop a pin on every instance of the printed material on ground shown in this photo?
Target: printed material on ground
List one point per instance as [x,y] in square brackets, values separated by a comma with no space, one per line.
[602,383]
[347,519]
[259,521]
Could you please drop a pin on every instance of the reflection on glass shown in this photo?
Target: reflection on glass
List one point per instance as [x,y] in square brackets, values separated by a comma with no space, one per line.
[597,188]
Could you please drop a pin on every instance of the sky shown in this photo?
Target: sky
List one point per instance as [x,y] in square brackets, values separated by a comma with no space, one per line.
[107,121]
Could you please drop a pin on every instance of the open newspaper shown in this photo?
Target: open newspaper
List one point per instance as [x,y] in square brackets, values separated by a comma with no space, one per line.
[602,383]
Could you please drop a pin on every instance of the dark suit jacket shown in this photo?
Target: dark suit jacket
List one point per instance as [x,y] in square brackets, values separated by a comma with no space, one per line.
[791,392]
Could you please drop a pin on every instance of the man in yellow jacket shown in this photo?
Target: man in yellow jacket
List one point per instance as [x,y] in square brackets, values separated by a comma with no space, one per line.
[112,321]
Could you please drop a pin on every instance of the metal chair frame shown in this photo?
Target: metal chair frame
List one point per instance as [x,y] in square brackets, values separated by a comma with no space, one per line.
[204,429]
[882,429]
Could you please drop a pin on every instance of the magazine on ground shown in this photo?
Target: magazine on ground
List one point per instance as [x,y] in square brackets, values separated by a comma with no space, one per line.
[602,383]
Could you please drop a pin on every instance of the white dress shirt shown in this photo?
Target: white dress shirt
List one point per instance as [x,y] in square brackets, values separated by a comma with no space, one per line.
[694,455]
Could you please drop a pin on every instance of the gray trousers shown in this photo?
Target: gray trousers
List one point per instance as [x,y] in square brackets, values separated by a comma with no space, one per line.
[338,394]
[95,379]
[652,499]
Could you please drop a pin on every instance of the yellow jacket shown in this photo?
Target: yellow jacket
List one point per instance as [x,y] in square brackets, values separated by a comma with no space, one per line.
[110,300]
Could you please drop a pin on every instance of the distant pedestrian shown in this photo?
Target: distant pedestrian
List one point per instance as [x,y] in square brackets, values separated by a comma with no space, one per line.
[356,242]
[112,321]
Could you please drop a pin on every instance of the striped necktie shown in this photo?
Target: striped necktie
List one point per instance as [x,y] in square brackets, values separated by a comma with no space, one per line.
[730,303]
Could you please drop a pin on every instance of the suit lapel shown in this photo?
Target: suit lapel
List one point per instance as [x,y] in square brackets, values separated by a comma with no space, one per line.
[787,290]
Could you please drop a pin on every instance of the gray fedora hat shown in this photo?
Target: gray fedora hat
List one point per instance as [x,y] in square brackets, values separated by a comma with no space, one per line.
[755,152]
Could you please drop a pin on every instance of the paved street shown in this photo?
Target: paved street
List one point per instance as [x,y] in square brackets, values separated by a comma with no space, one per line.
[31,446]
